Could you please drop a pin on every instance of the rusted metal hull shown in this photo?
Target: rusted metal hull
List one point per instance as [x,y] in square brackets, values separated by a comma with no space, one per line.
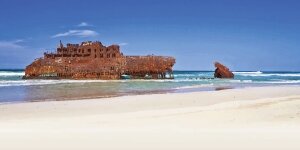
[95,61]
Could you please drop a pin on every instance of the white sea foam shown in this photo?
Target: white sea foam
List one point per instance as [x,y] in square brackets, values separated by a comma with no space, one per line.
[43,82]
[194,86]
[240,81]
[282,82]
[261,74]
[248,72]
[191,75]
[67,81]
[11,73]
[273,74]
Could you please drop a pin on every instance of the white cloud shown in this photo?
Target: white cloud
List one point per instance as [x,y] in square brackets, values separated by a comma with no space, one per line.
[19,40]
[123,44]
[78,33]
[11,44]
[83,24]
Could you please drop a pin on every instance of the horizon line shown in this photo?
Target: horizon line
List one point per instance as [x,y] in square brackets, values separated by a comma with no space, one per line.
[23,69]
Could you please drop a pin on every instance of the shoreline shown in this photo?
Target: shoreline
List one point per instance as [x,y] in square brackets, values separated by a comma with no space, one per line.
[159,101]
[185,81]
[190,89]
[234,119]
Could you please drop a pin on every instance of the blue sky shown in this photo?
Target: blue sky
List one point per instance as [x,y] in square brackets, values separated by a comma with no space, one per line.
[245,35]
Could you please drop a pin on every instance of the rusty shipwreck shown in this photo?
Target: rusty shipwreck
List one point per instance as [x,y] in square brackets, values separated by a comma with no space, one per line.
[92,60]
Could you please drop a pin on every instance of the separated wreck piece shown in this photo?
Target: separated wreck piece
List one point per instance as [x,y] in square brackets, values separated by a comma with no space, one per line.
[92,60]
[222,71]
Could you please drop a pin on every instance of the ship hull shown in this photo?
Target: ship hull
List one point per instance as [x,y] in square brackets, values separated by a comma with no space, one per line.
[92,60]
[134,67]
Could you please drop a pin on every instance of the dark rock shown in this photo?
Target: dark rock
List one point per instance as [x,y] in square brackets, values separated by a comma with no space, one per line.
[222,71]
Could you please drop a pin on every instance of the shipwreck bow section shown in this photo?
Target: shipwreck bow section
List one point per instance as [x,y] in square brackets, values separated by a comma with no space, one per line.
[92,60]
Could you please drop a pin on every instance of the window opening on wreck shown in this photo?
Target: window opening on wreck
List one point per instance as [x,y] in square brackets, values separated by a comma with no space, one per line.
[101,55]
[113,55]
[83,51]
[89,50]
[108,55]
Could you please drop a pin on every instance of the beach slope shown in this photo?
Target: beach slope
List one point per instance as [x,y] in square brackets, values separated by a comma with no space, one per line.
[249,118]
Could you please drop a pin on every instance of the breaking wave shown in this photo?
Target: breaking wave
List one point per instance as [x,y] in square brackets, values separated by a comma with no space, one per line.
[262,74]
[11,73]
[270,75]
[248,72]
[282,81]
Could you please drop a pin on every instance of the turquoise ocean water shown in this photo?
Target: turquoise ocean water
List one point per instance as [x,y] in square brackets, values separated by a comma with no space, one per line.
[14,89]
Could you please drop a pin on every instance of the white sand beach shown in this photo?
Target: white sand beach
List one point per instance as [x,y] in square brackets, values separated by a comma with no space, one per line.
[249,118]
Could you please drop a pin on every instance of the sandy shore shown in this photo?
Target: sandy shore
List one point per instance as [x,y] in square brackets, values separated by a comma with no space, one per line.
[250,118]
